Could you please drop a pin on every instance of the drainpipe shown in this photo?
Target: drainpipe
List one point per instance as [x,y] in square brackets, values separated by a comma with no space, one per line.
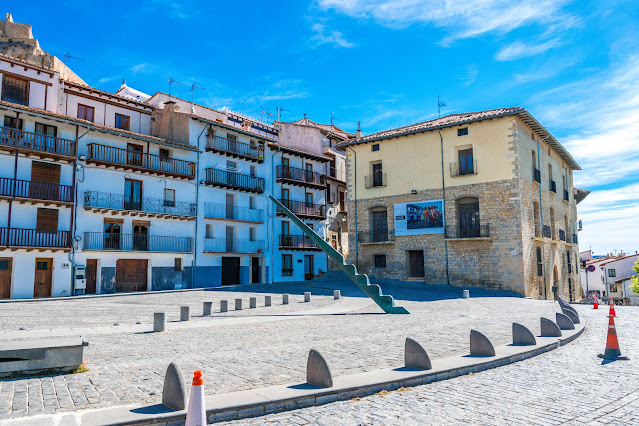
[355,206]
[197,198]
[541,217]
[441,145]
[271,217]
[74,212]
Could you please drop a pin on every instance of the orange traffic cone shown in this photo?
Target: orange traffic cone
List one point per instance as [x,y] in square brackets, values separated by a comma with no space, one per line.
[612,351]
[196,414]
[595,304]
[612,308]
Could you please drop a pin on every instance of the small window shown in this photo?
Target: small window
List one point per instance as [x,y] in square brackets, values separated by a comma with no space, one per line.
[86,112]
[540,265]
[4,265]
[287,265]
[169,197]
[12,123]
[164,154]
[612,272]
[380,260]
[309,199]
[462,132]
[253,171]
[252,234]
[375,147]
[122,122]
[15,90]
[613,288]
[178,264]
[209,230]
[42,266]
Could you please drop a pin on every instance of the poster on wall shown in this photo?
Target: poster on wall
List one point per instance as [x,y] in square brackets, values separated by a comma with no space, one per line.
[419,217]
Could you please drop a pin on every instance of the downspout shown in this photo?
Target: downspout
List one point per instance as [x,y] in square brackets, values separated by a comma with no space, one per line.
[355,205]
[197,198]
[74,212]
[271,217]
[541,217]
[441,145]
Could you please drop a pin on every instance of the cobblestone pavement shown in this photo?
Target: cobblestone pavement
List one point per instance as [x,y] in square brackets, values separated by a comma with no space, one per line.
[569,385]
[126,367]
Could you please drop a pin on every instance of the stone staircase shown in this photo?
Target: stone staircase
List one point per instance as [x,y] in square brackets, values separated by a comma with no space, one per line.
[374,291]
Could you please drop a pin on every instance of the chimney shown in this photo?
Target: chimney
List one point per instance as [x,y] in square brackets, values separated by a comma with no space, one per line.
[358,134]
[9,18]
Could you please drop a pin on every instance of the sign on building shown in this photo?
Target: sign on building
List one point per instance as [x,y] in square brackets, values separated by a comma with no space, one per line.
[420,217]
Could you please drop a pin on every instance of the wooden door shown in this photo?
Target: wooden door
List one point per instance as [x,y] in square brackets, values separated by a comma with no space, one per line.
[230,270]
[130,275]
[91,274]
[309,267]
[5,278]
[416,263]
[43,275]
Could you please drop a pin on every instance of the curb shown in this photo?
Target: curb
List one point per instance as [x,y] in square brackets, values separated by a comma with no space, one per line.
[257,402]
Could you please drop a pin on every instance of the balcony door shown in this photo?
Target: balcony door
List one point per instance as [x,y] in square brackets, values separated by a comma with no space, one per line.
[378,177]
[469,219]
[112,233]
[134,154]
[5,277]
[286,167]
[379,231]
[45,137]
[132,194]
[309,267]
[466,163]
[230,239]
[309,172]
[140,237]
[230,207]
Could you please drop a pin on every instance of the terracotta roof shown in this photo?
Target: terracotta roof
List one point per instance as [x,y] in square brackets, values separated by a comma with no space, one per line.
[469,117]
[97,127]
[105,93]
[28,64]
[297,151]
[580,194]
[624,279]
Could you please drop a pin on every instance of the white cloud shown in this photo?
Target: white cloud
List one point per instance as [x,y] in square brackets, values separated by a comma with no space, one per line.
[326,36]
[471,75]
[464,19]
[518,50]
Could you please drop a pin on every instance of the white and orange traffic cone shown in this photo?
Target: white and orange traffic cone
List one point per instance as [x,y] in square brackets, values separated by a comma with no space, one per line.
[196,413]
[595,304]
[612,308]
[612,351]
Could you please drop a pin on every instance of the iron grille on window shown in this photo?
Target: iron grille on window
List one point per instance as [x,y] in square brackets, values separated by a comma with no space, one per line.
[15,90]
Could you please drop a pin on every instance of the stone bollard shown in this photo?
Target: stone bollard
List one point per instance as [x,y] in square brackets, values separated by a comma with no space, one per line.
[224,305]
[522,336]
[253,302]
[480,345]
[174,390]
[159,321]
[336,294]
[238,304]
[466,294]
[317,371]
[549,328]
[268,300]
[285,299]
[570,314]
[564,322]
[206,308]
[185,313]
[415,356]
[307,296]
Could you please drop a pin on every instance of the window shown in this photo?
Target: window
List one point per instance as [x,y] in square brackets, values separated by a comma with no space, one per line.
[122,122]
[47,130]
[15,90]
[231,137]
[132,194]
[552,186]
[375,147]
[252,234]
[134,154]
[86,112]
[462,132]
[169,197]
[612,272]
[178,264]
[309,199]
[164,155]
[540,264]
[466,163]
[568,263]
[379,229]
[468,215]
[42,266]
[112,228]
[380,260]
[4,265]
[12,123]
[378,175]
[209,230]
[47,220]
[287,265]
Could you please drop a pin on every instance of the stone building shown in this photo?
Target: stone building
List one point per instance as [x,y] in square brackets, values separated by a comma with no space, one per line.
[472,199]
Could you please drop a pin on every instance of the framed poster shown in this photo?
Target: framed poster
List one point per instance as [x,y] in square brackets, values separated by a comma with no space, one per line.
[420,217]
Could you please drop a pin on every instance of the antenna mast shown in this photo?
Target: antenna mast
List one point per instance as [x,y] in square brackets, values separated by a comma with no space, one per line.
[440,104]
[171,81]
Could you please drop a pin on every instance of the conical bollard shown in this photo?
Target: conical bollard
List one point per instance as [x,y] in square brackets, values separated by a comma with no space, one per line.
[612,351]
[196,414]
[612,312]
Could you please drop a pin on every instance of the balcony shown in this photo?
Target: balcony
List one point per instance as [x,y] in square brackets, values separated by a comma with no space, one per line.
[25,190]
[566,197]
[303,209]
[233,245]
[562,235]
[375,180]
[139,161]
[336,174]
[574,239]
[234,180]
[300,177]
[458,233]
[230,212]
[235,149]
[536,175]
[455,170]
[146,206]
[552,186]
[545,231]
[376,236]
[17,238]
[37,144]
[137,242]
[297,242]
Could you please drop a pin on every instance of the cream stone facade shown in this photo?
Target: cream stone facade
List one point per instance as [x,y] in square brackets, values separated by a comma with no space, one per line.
[478,161]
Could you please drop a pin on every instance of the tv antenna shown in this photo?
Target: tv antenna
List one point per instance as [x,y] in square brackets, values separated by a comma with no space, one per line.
[279,111]
[333,118]
[69,56]
[192,90]
[440,104]
[171,81]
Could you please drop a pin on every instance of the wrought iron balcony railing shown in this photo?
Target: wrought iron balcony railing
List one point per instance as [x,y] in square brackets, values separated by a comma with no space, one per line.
[566,197]
[537,175]
[297,242]
[562,235]
[304,209]
[21,237]
[40,191]
[459,232]
[233,245]
[235,148]
[136,242]
[234,180]
[456,170]
[223,211]
[375,236]
[545,231]
[552,186]
[29,141]
[159,206]
[375,180]
[129,159]
[295,175]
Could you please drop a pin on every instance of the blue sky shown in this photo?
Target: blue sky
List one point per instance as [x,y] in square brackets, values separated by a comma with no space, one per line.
[573,64]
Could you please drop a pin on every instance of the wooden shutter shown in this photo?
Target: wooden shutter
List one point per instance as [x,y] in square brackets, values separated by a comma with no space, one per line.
[45,172]
[47,220]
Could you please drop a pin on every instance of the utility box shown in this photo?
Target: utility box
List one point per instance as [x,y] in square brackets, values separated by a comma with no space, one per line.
[79,278]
